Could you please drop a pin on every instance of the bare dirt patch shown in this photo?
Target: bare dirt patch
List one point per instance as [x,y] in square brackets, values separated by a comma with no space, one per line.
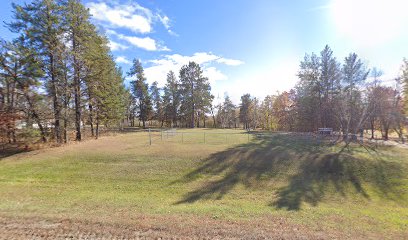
[159,227]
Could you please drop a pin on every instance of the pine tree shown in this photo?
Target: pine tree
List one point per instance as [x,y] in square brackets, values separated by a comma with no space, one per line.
[79,32]
[40,24]
[20,65]
[226,112]
[157,103]
[171,99]
[140,91]
[309,93]
[244,110]
[56,36]
[195,90]
[330,77]
[351,108]
[106,94]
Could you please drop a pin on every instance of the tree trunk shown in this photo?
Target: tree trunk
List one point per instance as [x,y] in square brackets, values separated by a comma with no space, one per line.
[91,120]
[57,109]
[204,120]
[34,112]
[77,90]
[97,126]
[386,130]
[192,105]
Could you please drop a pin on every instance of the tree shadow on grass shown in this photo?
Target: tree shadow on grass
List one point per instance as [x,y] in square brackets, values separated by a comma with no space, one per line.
[310,170]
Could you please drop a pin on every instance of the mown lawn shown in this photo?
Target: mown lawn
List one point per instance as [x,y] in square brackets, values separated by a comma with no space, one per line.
[359,191]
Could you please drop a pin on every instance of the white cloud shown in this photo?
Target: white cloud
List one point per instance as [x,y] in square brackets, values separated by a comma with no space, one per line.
[213,74]
[123,59]
[114,46]
[146,43]
[130,16]
[171,32]
[203,58]
[164,20]
[199,58]
[369,22]
[160,67]
[231,62]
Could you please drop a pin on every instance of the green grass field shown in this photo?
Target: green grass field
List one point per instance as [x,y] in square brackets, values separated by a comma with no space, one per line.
[354,192]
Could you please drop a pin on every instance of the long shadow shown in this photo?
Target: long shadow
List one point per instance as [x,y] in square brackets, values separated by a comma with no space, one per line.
[310,168]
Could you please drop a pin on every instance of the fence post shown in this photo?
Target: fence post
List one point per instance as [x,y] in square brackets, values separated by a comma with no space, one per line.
[150,137]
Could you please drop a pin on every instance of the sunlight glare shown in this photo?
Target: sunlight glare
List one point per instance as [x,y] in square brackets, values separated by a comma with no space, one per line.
[370,22]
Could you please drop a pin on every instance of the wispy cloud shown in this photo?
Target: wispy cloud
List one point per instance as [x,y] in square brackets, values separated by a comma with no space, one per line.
[165,20]
[231,62]
[123,59]
[318,8]
[145,43]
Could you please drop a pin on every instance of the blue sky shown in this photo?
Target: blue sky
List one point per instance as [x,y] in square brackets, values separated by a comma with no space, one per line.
[247,46]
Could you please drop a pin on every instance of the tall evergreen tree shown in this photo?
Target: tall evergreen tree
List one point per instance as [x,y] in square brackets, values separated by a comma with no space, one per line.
[308,93]
[171,98]
[40,23]
[329,86]
[140,91]
[352,109]
[245,110]
[22,72]
[226,113]
[106,95]
[196,92]
[157,103]
[79,32]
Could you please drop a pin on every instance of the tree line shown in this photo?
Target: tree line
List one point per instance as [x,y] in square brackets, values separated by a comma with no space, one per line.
[58,77]
[58,73]
[183,102]
[347,97]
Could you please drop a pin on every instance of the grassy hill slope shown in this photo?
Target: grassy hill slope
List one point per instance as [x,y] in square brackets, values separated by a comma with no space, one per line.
[269,184]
